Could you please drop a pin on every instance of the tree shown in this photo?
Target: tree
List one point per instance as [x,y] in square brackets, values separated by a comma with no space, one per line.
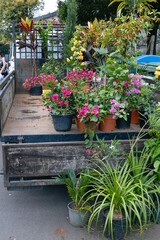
[70,23]
[133,6]
[12,12]
[87,10]
[139,6]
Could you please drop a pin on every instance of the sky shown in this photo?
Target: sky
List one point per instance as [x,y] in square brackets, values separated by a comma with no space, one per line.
[50,6]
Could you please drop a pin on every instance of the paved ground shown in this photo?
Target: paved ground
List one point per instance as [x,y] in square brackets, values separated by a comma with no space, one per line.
[42,215]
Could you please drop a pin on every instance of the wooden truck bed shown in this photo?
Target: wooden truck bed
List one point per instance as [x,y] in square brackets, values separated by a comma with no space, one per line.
[34,154]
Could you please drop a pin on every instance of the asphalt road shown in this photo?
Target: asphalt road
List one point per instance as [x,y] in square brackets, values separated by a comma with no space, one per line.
[43,215]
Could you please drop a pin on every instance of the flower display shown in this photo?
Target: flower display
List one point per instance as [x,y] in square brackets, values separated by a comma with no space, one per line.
[48,80]
[79,77]
[59,100]
[126,92]
[89,113]
[32,82]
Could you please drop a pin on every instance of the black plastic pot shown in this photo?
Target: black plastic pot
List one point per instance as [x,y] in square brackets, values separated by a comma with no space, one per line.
[36,90]
[121,123]
[119,228]
[62,122]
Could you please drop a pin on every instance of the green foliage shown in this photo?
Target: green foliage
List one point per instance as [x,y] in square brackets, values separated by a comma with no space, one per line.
[153,146]
[11,13]
[133,6]
[55,67]
[126,189]
[77,186]
[44,31]
[154,121]
[70,24]
[115,191]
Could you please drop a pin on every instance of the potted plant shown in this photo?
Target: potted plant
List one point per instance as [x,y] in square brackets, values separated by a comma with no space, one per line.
[34,85]
[77,185]
[60,103]
[107,120]
[116,194]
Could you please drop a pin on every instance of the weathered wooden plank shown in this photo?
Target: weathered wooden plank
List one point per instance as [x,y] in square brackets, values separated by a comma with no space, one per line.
[40,164]
[7,93]
[38,160]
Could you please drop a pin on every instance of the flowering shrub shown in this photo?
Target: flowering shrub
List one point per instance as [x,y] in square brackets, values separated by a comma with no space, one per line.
[60,100]
[78,78]
[126,94]
[120,34]
[89,113]
[119,109]
[31,82]
[48,80]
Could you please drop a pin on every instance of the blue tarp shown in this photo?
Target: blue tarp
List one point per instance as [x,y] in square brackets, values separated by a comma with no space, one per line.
[148,58]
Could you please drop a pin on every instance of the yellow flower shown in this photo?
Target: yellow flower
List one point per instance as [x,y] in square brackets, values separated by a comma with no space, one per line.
[83,64]
[157,74]
[82,49]
[80,57]
[158,68]
[73,48]
[68,60]
[71,58]
[75,53]
[75,42]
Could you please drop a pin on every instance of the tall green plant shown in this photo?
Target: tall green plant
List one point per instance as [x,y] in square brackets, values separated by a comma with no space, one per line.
[70,24]
[133,6]
[114,190]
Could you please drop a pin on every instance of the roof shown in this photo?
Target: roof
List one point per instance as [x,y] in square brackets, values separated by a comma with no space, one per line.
[46,16]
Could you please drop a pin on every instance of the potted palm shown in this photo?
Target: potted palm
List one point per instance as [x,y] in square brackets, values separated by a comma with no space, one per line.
[77,185]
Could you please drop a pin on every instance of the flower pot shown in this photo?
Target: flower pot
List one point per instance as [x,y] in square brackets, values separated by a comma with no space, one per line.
[121,123]
[36,90]
[108,124]
[80,125]
[143,119]
[77,218]
[85,127]
[135,117]
[62,122]
[119,228]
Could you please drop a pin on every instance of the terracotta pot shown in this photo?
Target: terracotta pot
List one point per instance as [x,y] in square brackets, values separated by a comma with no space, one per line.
[81,125]
[109,124]
[135,117]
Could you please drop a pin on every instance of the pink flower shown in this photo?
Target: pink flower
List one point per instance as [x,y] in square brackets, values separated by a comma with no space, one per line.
[112,110]
[128,93]
[135,90]
[116,104]
[88,151]
[114,83]
[112,101]
[55,96]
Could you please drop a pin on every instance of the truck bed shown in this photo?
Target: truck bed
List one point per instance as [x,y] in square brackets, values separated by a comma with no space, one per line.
[28,116]
[34,154]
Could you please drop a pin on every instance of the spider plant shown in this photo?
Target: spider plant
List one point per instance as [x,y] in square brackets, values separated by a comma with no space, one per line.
[115,190]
